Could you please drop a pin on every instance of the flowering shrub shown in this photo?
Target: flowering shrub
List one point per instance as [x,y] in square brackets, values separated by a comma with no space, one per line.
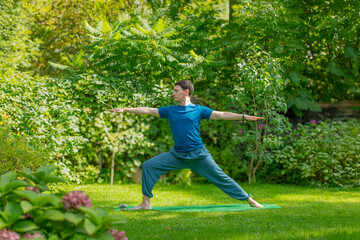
[26,212]
[118,235]
[34,189]
[75,199]
[8,235]
[325,153]
[33,235]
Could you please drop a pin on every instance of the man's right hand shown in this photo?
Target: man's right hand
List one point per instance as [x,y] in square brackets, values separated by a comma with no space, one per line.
[116,110]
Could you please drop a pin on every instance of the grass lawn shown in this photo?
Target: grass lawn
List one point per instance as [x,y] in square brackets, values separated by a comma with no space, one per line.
[306,213]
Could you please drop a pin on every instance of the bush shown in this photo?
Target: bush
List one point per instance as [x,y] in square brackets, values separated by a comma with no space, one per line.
[320,153]
[30,213]
[17,153]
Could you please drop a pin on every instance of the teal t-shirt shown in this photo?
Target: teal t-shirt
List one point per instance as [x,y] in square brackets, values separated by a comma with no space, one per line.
[185,125]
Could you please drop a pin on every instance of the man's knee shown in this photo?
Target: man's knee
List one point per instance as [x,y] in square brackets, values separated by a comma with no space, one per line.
[146,165]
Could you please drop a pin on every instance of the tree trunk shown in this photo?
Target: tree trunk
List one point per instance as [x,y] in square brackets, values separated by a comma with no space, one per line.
[99,158]
[113,156]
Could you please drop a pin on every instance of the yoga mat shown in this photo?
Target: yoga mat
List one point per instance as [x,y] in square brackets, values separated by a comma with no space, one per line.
[207,208]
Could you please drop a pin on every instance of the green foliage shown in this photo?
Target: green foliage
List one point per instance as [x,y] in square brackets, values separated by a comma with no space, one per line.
[59,26]
[319,57]
[127,53]
[17,152]
[147,49]
[34,106]
[69,115]
[17,48]
[259,88]
[28,211]
[324,153]
[42,177]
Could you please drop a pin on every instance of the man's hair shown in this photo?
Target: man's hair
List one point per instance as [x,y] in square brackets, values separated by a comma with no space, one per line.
[186,84]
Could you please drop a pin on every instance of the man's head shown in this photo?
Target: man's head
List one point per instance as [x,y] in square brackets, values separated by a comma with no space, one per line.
[186,86]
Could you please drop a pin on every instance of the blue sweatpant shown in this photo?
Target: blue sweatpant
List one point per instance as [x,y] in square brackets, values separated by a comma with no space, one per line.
[199,161]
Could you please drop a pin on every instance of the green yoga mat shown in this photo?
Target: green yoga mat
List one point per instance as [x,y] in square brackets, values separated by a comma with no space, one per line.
[207,208]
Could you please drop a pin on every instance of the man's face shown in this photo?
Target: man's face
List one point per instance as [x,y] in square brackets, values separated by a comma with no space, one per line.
[179,94]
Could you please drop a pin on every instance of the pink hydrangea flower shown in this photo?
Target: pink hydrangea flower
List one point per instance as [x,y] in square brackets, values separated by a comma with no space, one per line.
[313,122]
[27,216]
[34,189]
[75,199]
[118,235]
[32,235]
[8,235]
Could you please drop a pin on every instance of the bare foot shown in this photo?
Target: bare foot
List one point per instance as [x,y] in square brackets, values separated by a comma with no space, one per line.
[142,206]
[254,203]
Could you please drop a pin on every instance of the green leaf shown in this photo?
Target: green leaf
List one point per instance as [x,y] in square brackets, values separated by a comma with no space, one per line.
[53,179]
[3,224]
[294,76]
[54,215]
[25,226]
[58,66]
[39,176]
[117,35]
[46,169]
[54,237]
[29,195]
[101,212]
[145,24]
[42,186]
[27,176]
[26,206]
[8,177]
[13,211]
[67,232]
[332,68]
[15,184]
[94,215]
[194,55]
[28,171]
[351,52]
[74,218]
[90,29]
[114,219]
[105,27]
[160,25]
[89,226]
[105,236]
[44,199]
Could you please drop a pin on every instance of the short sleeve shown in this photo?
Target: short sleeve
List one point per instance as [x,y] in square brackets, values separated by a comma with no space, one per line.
[205,112]
[164,111]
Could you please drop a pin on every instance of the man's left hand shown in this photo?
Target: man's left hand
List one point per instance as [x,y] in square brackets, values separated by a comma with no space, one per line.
[253,118]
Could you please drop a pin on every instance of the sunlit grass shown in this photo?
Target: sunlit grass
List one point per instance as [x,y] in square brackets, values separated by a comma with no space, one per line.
[306,213]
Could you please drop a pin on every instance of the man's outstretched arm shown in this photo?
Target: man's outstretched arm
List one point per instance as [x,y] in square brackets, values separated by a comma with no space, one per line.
[217,115]
[138,110]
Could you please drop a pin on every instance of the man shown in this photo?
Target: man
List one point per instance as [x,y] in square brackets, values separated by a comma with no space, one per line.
[189,151]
